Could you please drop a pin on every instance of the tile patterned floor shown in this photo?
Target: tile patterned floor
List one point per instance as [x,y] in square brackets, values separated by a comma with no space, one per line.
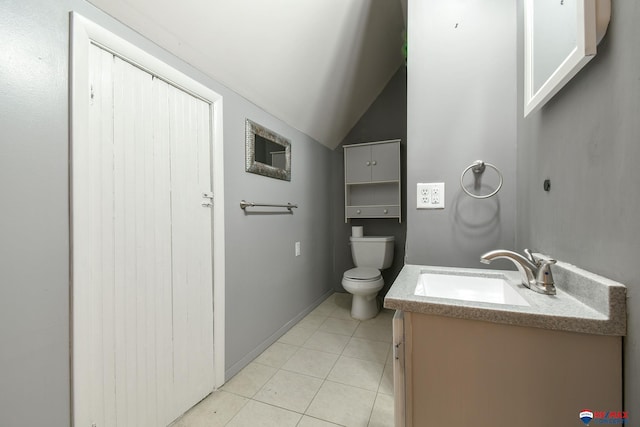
[328,370]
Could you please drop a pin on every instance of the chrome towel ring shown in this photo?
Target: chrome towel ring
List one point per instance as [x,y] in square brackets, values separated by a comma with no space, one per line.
[478,168]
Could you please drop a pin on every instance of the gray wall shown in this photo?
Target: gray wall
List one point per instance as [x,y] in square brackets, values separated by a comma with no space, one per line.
[34,243]
[461,107]
[267,287]
[34,233]
[586,140]
[385,119]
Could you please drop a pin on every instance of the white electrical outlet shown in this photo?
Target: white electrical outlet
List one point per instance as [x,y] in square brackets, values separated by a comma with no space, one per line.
[297,248]
[424,196]
[430,195]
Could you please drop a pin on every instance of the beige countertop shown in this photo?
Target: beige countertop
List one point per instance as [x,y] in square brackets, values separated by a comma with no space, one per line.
[585,302]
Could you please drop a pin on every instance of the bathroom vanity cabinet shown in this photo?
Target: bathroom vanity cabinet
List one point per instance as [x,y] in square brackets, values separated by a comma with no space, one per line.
[460,372]
[372,180]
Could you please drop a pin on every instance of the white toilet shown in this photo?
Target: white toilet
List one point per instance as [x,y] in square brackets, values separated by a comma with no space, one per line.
[370,255]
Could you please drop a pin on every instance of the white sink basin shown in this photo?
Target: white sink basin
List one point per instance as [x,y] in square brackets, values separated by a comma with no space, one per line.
[490,288]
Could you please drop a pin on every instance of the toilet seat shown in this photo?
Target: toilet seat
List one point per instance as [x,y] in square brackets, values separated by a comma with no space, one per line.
[366,274]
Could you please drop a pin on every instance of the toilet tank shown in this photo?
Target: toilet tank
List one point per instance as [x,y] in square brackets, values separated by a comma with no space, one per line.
[372,251]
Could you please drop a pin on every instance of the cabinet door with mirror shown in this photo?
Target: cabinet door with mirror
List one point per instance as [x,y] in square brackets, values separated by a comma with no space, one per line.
[560,37]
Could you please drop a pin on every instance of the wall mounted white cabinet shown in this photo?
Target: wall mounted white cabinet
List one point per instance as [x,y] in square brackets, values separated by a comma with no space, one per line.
[372,180]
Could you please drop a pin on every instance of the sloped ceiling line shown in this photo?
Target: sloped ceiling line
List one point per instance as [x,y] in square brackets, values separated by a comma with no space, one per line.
[317,65]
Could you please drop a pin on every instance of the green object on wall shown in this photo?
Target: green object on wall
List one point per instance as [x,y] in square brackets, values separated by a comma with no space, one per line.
[404,46]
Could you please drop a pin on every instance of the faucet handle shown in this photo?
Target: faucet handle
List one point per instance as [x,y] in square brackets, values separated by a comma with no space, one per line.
[530,256]
[539,261]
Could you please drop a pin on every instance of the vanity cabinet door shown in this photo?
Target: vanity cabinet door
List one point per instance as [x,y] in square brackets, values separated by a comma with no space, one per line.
[507,368]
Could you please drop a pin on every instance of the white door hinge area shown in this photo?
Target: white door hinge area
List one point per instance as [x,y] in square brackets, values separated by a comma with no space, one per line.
[208,202]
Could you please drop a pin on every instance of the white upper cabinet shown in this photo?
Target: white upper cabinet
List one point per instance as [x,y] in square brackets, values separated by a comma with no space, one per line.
[372,162]
[372,180]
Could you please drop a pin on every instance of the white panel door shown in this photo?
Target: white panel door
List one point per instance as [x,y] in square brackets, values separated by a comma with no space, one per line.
[192,294]
[142,260]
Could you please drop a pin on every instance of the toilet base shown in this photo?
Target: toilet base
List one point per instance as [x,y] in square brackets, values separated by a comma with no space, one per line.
[365,292]
[364,307]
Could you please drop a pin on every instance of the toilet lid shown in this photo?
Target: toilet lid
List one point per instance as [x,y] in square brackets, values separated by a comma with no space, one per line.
[362,273]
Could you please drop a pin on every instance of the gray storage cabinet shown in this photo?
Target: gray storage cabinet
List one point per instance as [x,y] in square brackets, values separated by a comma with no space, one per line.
[372,180]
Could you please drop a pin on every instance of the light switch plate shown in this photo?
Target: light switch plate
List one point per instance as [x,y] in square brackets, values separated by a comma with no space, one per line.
[297,248]
[430,195]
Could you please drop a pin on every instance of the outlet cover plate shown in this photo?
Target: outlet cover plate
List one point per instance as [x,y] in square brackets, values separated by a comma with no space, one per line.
[430,195]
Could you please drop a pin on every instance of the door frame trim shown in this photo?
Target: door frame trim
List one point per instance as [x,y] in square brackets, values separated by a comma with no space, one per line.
[83,33]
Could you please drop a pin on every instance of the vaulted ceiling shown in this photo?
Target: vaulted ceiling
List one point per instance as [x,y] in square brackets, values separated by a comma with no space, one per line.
[315,64]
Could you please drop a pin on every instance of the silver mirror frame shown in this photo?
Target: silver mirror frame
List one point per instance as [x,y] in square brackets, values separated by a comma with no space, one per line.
[251,165]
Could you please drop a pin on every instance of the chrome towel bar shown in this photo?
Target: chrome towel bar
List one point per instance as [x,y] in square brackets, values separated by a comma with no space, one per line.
[245,205]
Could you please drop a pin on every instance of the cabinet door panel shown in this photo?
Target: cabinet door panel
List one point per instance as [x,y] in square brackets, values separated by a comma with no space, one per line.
[358,164]
[385,162]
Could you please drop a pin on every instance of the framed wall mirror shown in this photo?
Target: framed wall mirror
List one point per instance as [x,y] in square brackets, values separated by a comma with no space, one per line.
[267,153]
[560,38]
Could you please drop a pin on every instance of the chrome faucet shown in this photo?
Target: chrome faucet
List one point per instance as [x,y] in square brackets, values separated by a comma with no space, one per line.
[535,272]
